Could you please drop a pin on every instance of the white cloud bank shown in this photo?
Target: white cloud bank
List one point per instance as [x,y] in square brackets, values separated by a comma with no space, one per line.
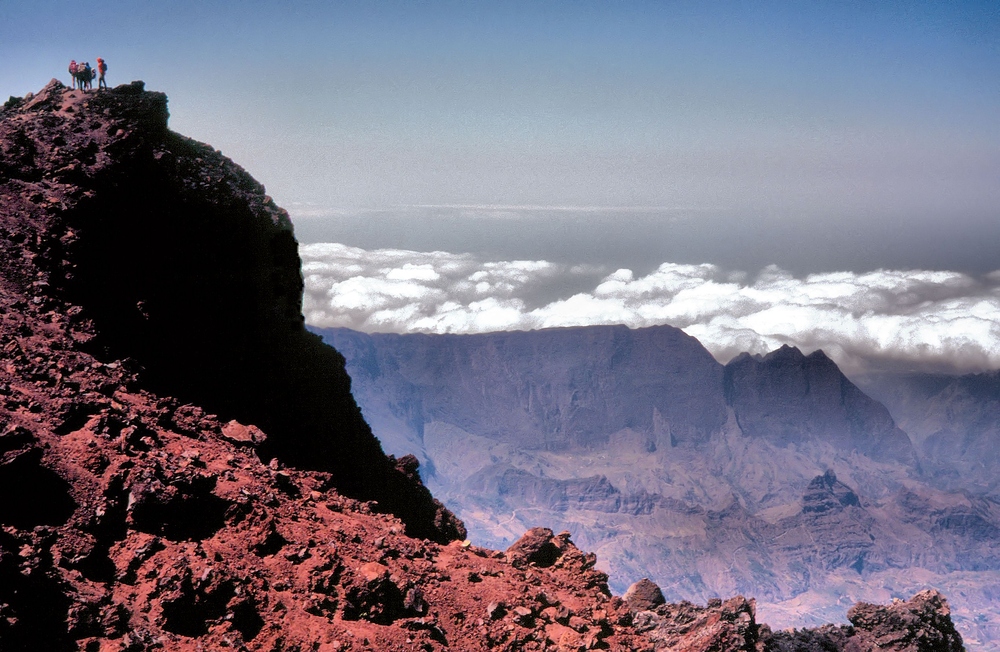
[886,318]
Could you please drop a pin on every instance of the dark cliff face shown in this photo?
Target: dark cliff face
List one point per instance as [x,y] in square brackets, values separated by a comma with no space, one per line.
[185,266]
[551,389]
[561,388]
[787,397]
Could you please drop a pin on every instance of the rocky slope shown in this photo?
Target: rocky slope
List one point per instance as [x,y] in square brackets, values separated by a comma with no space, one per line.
[772,476]
[922,623]
[181,464]
[187,269]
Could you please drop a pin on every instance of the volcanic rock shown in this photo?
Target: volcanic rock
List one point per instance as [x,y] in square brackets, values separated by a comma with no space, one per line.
[538,547]
[684,627]
[643,596]
[921,624]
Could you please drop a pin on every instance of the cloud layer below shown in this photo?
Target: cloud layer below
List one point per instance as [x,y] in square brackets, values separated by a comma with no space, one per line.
[885,319]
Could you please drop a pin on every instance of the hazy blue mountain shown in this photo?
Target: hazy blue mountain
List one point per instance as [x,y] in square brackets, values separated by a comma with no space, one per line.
[785,397]
[954,422]
[774,476]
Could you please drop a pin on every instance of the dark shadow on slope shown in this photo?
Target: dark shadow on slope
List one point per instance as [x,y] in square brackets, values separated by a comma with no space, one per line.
[32,494]
[33,605]
[201,285]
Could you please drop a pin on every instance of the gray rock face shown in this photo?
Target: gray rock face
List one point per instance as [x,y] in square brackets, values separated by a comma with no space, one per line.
[562,388]
[787,397]
[552,389]
[833,531]
[594,493]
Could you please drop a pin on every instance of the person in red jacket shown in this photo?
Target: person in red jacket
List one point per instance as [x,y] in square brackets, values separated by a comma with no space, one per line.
[102,67]
[72,72]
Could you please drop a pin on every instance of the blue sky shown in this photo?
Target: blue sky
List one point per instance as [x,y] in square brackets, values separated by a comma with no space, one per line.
[817,137]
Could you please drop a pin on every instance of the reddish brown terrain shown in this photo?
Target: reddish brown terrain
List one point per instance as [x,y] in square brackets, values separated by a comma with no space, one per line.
[182,466]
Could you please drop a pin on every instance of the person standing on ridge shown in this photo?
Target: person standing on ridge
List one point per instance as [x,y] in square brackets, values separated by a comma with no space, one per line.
[102,67]
[88,75]
[72,72]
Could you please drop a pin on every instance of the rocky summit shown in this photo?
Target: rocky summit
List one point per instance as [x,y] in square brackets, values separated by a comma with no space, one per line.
[183,467]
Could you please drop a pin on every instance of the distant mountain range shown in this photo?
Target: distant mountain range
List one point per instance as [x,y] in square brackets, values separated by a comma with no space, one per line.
[954,422]
[775,476]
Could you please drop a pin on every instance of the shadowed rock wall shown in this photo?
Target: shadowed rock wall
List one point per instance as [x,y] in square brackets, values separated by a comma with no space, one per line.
[185,266]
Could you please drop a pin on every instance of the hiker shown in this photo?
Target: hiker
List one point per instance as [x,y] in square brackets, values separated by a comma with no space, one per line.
[102,67]
[88,75]
[82,75]
[72,72]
